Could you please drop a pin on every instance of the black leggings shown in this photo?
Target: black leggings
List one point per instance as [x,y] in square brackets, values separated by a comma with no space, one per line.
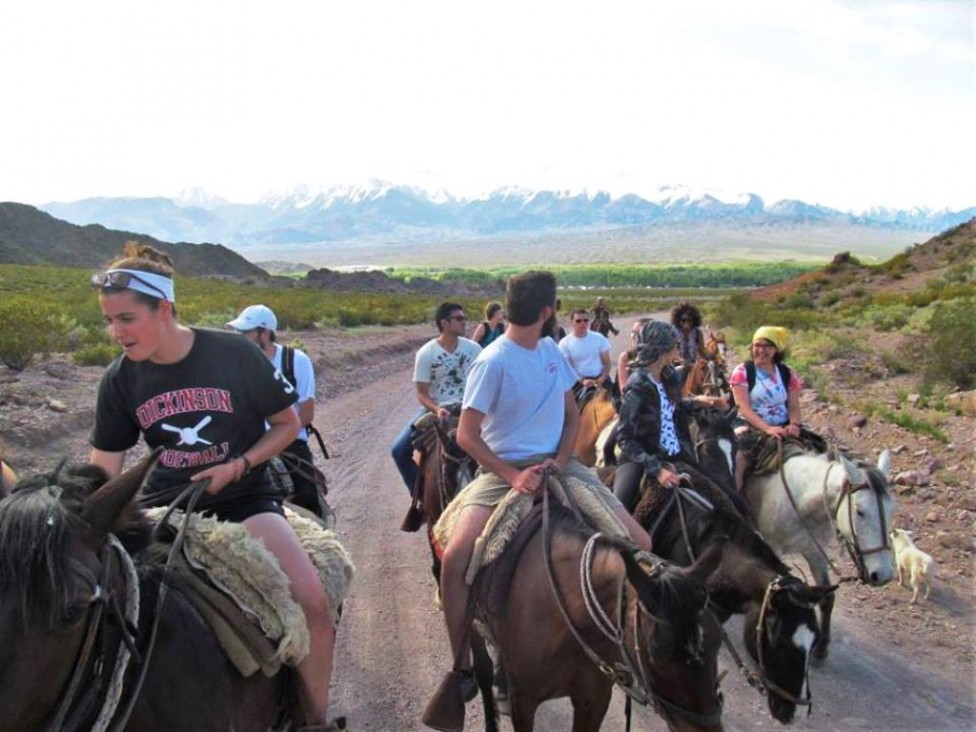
[626,484]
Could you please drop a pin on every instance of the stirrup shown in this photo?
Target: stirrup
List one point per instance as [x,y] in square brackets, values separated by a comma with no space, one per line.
[336,725]
[445,710]
[413,521]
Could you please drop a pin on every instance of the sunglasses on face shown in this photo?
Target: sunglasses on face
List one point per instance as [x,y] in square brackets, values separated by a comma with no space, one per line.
[121,280]
[581,320]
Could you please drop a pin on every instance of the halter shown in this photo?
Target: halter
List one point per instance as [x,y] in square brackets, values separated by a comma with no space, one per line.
[847,491]
[758,680]
[629,673]
[73,702]
[853,546]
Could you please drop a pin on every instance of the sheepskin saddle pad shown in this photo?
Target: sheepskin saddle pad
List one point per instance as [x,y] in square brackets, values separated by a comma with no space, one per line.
[589,502]
[239,587]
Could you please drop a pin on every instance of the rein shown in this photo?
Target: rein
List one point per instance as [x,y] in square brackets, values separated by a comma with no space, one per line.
[631,678]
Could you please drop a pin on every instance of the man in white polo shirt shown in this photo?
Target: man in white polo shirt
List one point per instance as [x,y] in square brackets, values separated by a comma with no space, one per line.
[587,351]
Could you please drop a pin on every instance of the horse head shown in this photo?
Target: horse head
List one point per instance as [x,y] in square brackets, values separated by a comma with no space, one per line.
[863,509]
[780,634]
[53,577]
[715,443]
[672,618]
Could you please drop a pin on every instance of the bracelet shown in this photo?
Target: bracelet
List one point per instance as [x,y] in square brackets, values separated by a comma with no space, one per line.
[247,466]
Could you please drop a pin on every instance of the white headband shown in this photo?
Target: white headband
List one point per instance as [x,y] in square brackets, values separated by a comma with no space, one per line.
[149,283]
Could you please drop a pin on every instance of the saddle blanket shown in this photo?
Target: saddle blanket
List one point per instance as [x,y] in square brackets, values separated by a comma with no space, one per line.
[587,500]
[241,567]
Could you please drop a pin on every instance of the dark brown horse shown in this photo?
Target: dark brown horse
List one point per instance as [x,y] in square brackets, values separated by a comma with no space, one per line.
[780,625]
[64,602]
[445,470]
[648,631]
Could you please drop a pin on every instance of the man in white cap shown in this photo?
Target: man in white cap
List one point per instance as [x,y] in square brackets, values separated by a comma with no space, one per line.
[258,324]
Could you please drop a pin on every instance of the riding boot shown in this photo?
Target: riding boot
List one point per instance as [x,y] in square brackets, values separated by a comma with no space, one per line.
[445,710]
[414,519]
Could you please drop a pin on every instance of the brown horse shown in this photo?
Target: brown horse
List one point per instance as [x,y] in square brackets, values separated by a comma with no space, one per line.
[559,635]
[65,539]
[446,469]
[595,415]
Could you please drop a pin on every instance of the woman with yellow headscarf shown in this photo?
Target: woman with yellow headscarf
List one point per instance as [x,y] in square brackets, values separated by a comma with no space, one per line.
[767,393]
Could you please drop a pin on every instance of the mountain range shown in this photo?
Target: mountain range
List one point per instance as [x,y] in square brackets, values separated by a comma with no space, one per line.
[31,236]
[386,222]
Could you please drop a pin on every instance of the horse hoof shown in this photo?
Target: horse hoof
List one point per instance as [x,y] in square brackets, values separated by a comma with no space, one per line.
[502,702]
[820,651]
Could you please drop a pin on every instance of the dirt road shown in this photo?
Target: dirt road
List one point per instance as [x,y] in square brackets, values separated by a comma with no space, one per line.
[393,647]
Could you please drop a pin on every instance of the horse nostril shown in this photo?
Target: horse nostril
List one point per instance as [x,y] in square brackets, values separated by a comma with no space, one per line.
[874,578]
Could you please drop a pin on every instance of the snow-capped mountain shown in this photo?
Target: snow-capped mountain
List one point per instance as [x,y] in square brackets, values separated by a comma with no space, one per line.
[383,212]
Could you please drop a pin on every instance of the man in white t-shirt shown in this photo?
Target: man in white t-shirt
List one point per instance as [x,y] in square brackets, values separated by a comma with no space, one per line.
[518,420]
[259,324]
[587,351]
[440,369]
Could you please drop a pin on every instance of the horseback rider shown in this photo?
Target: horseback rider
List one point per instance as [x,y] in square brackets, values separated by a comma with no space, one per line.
[587,352]
[518,421]
[687,320]
[8,478]
[440,369]
[492,326]
[258,324]
[601,318]
[626,360]
[205,397]
[767,394]
[653,435]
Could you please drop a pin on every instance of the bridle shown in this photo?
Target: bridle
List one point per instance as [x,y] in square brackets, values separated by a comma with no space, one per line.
[629,673]
[75,704]
[759,679]
[104,602]
[853,545]
[450,462]
[847,491]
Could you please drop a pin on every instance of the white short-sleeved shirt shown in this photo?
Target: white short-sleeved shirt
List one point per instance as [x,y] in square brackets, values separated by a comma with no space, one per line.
[445,372]
[304,375]
[584,354]
[522,394]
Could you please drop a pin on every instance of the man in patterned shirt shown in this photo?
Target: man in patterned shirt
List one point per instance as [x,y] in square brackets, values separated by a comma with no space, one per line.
[440,370]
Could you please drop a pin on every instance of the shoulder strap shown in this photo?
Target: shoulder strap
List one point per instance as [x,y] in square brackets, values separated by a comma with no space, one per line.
[288,364]
[750,375]
[785,375]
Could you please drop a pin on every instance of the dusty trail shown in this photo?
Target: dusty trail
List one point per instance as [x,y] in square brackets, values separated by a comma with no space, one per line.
[393,649]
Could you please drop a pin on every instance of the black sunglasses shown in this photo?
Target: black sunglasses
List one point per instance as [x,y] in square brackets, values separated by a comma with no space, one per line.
[581,320]
[122,280]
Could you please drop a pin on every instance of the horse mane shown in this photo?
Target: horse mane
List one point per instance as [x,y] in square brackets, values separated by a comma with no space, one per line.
[37,523]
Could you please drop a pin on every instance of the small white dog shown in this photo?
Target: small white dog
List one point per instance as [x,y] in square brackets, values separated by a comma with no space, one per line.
[912,562]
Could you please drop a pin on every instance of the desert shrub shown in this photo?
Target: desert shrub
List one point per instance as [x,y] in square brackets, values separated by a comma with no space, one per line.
[949,354]
[797,301]
[95,354]
[30,329]
[897,266]
[896,363]
[890,318]
[830,298]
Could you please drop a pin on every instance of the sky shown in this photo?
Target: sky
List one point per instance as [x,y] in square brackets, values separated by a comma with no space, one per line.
[845,104]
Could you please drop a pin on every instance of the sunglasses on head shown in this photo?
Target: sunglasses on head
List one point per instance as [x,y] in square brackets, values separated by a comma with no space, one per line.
[121,280]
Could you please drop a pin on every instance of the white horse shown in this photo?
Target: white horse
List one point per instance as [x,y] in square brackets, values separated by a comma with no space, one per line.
[827,499]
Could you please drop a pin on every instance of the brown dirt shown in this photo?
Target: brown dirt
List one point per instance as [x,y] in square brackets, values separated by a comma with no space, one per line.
[893,666]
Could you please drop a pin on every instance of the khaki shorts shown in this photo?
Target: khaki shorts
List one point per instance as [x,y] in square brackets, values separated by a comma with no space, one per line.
[487,489]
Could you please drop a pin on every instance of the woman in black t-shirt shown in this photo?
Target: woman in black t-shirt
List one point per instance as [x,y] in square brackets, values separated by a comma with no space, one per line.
[203,396]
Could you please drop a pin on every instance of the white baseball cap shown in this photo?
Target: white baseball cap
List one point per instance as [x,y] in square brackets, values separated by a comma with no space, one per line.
[255,316]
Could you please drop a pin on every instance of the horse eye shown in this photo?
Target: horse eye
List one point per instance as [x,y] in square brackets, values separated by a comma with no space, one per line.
[74,614]
[860,513]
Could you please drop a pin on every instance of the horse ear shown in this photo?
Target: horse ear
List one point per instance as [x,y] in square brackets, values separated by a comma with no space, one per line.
[809,595]
[884,463]
[707,561]
[854,473]
[103,507]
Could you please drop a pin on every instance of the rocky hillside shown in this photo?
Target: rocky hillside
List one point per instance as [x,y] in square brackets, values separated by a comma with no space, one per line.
[30,236]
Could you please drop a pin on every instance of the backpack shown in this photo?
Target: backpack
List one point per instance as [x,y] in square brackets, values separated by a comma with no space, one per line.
[288,370]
